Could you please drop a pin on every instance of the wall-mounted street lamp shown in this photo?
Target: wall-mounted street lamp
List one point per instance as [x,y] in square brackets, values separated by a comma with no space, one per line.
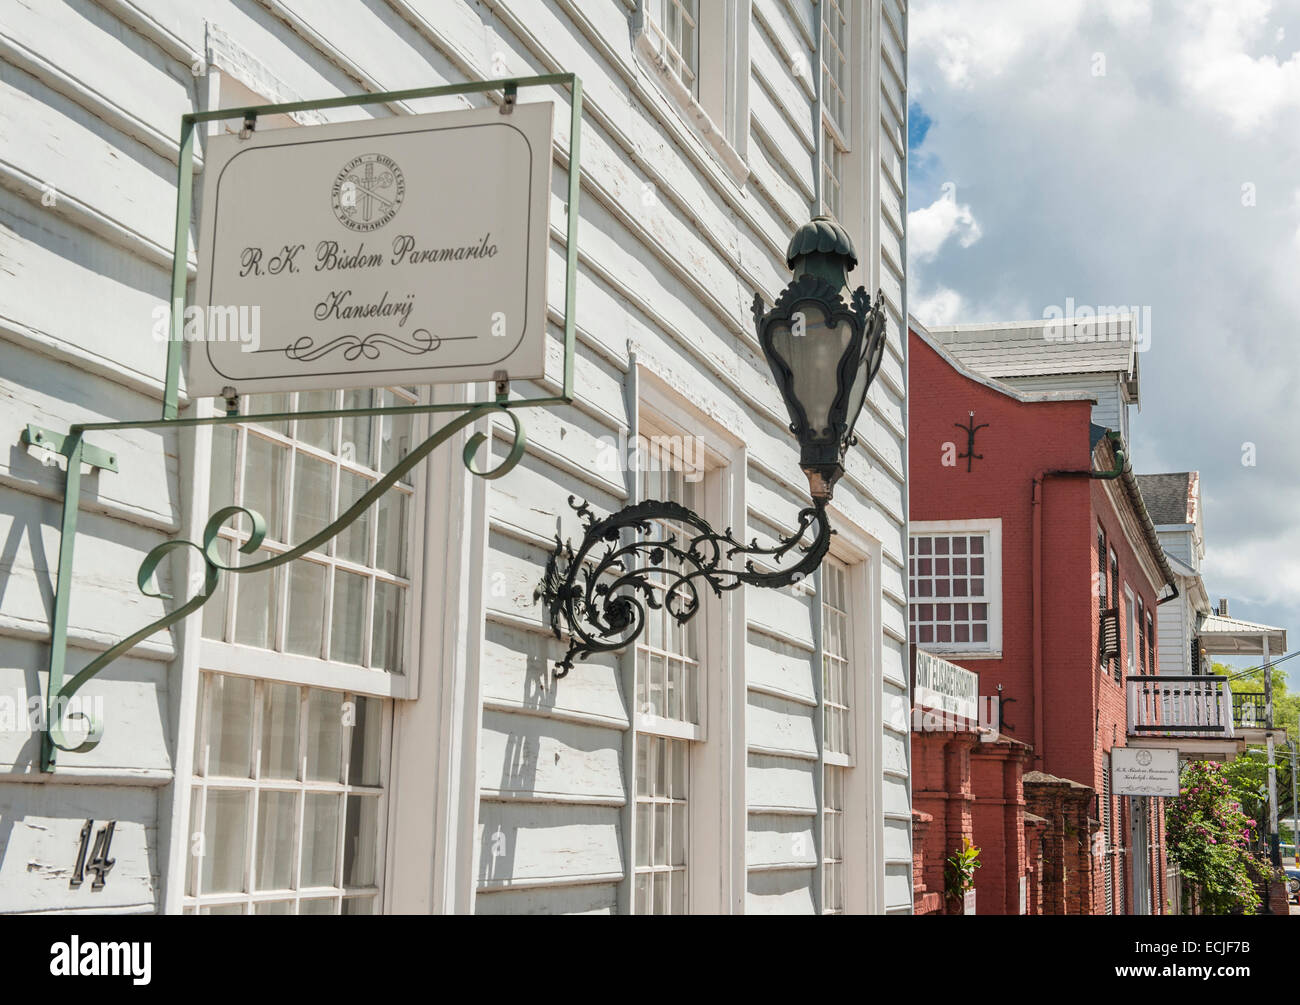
[824,344]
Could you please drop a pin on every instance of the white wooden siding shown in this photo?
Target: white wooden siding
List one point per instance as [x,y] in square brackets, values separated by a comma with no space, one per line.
[1110,410]
[90,99]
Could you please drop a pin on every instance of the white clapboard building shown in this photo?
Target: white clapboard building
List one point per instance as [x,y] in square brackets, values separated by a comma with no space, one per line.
[375,727]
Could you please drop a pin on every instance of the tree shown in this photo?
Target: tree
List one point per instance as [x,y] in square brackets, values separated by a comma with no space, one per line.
[1251,768]
[1286,707]
[1208,834]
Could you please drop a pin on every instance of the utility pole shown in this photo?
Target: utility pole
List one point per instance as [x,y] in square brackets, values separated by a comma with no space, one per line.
[1295,813]
[1274,849]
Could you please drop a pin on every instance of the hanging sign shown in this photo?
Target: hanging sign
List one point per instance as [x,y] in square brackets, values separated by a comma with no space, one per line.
[360,254]
[1144,771]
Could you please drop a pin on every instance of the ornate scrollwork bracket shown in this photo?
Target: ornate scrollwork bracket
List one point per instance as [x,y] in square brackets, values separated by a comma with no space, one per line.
[61,706]
[601,597]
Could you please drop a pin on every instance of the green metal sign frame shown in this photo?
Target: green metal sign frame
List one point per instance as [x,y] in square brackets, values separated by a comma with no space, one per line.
[61,689]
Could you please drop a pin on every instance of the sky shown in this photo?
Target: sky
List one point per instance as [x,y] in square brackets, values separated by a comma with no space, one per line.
[1144,154]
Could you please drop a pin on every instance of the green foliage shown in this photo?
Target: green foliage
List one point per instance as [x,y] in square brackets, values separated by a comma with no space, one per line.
[1208,835]
[959,869]
[1286,707]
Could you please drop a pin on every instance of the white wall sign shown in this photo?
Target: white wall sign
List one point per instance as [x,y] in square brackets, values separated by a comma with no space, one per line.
[1024,894]
[1144,771]
[968,902]
[387,251]
[945,687]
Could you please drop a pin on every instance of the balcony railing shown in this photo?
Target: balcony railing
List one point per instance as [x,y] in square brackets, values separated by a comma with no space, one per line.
[1160,705]
[1248,711]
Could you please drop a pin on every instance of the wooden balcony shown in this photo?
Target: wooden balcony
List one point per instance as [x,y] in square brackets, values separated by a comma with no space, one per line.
[1163,707]
[1249,711]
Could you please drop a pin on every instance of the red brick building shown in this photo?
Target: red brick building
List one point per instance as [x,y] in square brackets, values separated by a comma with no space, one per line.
[1026,526]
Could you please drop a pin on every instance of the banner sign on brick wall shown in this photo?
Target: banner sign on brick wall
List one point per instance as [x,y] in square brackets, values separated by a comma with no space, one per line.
[941,686]
[359,254]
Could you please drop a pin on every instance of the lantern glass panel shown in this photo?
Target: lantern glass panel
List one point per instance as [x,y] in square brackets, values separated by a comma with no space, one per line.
[862,379]
[812,347]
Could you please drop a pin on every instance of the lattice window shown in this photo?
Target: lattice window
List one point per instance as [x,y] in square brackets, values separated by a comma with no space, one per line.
[836,68]
[668,666]
[346,601]
[288,803]
[662,831]
[675,25]
[833,839]
[836,658]
[951,590]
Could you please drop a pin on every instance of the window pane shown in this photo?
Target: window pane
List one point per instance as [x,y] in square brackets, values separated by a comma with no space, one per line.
[312,491]
[356,439]
[320,835]
[367,734]
[644,832]
[224,840]
[391,516]
[277,819]
[222,490]
[395,437]
[306,608]
[280,708]
[324,736]
[361,841]
[354,542]
[388,634]
[195,841]
[359,905]
[230,726]
[273,907]
[267,403]
[317,432]
[257,604]
[264,470]
[214,611]
[347,633]
[319,905]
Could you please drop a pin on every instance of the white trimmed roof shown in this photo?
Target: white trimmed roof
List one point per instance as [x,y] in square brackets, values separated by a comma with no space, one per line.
[1038,348]
[1224,636]
[980,377]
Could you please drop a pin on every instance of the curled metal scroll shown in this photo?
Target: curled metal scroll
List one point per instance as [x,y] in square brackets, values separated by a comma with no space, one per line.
[58,705]
[601,600]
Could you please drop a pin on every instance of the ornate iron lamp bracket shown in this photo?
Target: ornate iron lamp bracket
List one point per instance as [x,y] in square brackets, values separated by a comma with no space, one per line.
[601,600]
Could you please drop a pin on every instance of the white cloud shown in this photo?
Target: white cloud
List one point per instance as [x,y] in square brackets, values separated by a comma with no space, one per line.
[1218,70]
[1127,189]
[942,306]
[972,40]
[929,228]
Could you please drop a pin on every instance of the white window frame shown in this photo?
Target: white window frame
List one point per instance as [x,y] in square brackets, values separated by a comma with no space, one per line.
[992,649]
[716,815]
[232,70]
[835,139]
[862,811]
[195,899]
[716,107]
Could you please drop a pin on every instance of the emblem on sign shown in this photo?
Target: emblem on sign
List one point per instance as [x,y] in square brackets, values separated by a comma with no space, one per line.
[1144,757]
[368,192]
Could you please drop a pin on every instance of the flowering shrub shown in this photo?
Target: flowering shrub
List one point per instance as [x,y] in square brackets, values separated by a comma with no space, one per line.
[1208,835]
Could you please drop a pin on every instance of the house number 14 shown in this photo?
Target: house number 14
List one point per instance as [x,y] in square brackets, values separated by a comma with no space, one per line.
[99,862]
